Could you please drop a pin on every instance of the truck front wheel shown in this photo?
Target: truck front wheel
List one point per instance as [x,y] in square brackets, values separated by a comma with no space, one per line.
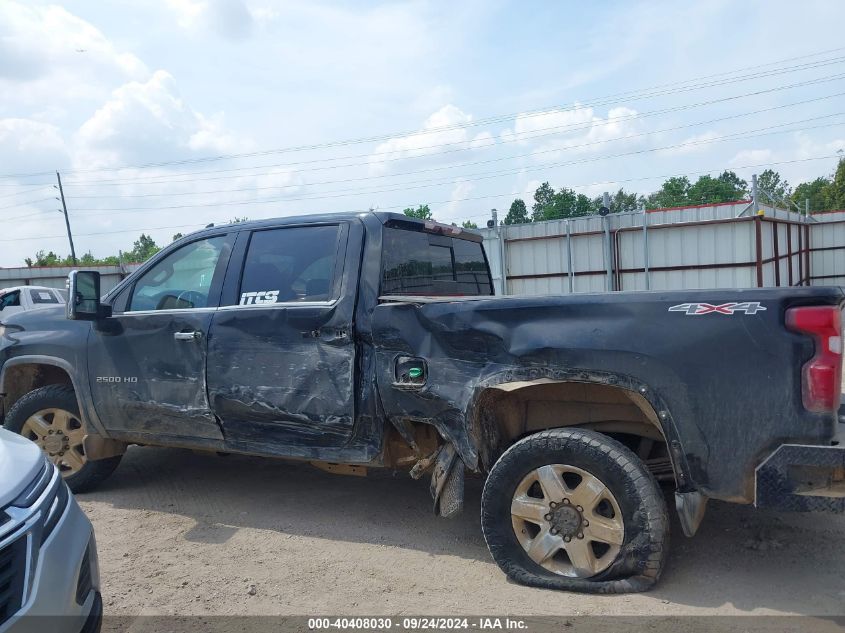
[49,416]
[574,509]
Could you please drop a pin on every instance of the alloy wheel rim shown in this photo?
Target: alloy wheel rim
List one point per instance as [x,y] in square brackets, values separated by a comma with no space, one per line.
[60,434]
[567,521]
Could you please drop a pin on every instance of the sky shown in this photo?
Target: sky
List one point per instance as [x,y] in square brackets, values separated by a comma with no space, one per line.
[167,115]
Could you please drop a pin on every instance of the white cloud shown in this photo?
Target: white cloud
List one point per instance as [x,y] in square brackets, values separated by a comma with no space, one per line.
[691,145]
[809,147]
[443,130]
[573,130]
[53,54]
[231,19]
[29,145]
[751,157]
[460,191]
[149,122]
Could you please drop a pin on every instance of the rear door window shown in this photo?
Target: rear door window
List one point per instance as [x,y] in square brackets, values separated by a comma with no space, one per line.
[296,264]
[418,263]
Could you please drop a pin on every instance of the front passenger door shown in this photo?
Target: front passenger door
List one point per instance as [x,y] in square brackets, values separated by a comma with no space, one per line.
[147,364]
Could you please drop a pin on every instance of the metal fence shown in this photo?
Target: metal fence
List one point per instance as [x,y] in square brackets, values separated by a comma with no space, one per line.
[708,246]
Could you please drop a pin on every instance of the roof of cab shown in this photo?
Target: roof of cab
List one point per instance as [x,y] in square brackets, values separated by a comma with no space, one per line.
[383,216]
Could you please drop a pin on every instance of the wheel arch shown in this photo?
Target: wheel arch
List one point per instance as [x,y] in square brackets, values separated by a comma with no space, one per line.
[504,411]
[23,374]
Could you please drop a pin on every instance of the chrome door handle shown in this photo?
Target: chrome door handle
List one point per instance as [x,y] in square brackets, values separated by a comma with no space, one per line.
[188,336]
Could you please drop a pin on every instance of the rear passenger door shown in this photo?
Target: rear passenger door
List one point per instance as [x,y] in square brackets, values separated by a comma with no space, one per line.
[281,356]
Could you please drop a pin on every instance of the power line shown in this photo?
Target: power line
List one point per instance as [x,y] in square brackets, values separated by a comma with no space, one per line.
[25,192]
[171,178]
[607,182]
[484,175]
[460,165]
[473,177]
[661,90]
[23,204]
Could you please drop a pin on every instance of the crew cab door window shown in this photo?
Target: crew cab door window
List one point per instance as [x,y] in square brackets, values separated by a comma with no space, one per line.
[294,264]
[183,280]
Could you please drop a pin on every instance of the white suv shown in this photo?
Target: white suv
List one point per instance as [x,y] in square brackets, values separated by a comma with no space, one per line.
[49,574]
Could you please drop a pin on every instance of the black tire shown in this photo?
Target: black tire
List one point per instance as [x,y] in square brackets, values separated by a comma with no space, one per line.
[642,554]
[60,397]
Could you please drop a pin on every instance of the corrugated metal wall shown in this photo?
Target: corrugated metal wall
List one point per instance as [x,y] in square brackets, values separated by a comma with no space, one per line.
[709,246]
[827,258]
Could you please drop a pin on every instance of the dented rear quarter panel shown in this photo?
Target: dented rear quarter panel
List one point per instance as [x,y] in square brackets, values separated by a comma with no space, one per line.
[725,387]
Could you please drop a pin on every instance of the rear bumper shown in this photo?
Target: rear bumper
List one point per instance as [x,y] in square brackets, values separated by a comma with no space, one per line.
[800,478]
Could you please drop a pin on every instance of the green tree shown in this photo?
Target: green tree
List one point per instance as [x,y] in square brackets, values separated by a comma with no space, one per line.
[469,224]
[835,192]
[518,213]
[621,201]
[143,248]
[177,236]
[563,205]
[726,187]
[771,182]
[556,205]
[674,192]
[583,206]
[544,200]
[422,212]
[45,259]
[815,191]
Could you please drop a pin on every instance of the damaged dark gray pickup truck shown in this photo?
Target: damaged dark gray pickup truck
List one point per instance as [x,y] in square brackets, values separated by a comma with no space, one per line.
[373,340]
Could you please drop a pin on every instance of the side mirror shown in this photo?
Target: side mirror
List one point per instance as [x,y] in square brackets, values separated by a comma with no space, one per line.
[83,302]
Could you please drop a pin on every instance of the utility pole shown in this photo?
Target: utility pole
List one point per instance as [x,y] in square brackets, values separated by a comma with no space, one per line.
[604,211]
[755,202]
[67,221]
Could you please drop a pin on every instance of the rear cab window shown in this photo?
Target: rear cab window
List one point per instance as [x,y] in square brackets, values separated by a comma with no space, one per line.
[419,263]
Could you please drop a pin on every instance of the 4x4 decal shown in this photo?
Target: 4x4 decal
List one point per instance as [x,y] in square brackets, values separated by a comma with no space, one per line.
[697,309]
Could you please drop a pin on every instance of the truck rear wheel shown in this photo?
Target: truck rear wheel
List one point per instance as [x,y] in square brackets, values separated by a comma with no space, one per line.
[49,416]
[574,509]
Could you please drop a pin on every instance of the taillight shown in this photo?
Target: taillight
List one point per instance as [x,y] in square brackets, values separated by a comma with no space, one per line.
[821,376]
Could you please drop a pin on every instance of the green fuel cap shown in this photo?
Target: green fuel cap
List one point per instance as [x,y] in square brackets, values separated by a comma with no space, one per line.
[415,372]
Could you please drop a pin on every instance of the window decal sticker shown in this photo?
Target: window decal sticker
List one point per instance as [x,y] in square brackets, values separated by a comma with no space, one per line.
[259,298]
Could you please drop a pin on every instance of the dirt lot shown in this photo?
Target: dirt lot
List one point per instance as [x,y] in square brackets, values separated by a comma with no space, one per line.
[184,533]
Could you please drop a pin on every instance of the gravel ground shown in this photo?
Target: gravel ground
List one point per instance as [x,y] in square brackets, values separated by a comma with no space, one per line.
[183,533]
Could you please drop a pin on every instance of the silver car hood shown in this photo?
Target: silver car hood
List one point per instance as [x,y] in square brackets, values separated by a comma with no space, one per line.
[20,462]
